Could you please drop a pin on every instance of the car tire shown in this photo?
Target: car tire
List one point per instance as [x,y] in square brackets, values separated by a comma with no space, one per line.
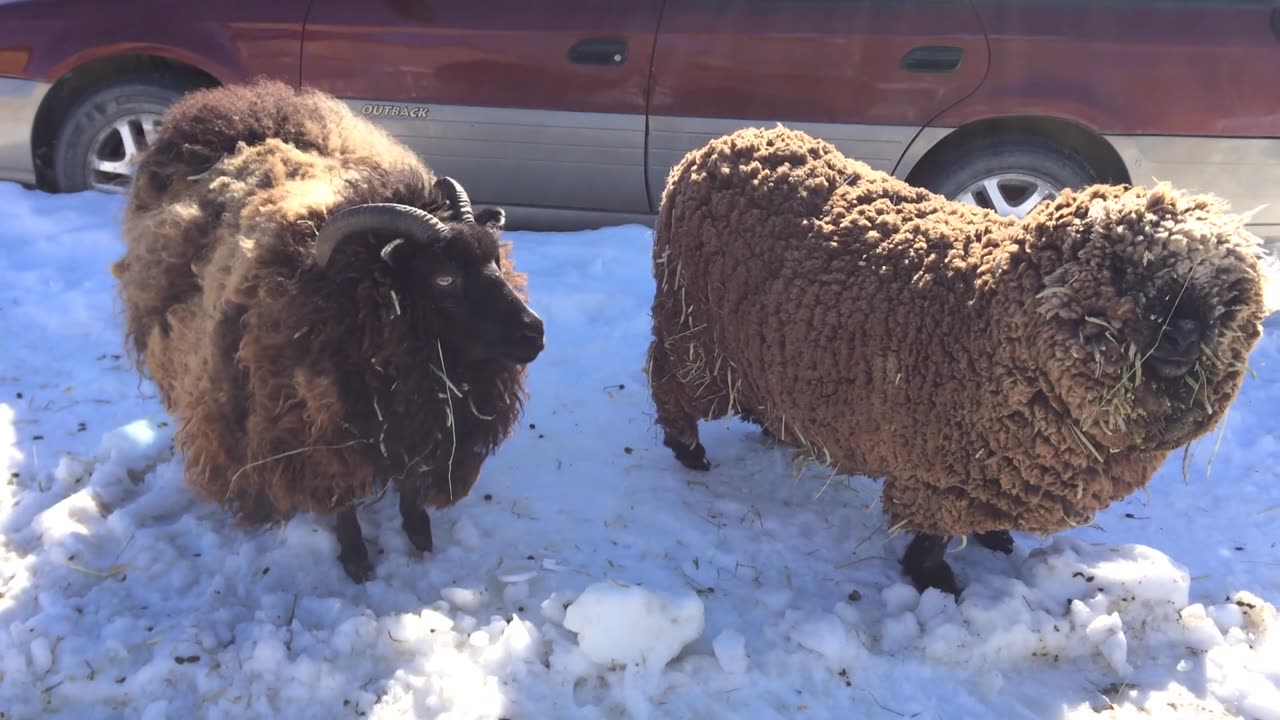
[1007,174]
[91,150]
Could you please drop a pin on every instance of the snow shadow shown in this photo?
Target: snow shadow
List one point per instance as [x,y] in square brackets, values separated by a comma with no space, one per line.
[125,595]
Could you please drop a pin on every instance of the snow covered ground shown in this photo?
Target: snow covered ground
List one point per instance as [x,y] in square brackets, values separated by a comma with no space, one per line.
[588,575]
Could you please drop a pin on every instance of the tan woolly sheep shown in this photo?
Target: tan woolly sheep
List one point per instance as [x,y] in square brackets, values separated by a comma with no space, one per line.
[998,373]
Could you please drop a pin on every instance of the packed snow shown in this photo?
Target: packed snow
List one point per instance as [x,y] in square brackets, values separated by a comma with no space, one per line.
[588,575]
[631,625]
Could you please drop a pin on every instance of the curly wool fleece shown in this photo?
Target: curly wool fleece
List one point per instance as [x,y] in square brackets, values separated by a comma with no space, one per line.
[256,350]
[997,373]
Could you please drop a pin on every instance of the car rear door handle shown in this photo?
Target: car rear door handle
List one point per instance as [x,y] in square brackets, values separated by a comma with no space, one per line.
[932,59]
[598,51]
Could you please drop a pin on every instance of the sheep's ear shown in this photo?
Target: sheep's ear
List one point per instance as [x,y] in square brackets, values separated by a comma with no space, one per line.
[495,218]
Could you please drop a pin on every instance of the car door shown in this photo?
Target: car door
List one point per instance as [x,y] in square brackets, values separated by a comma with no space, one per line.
[866,75]
[526,103]
[1184,92]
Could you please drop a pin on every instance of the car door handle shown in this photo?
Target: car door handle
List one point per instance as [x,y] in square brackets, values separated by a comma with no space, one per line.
[598,51]
[932,59]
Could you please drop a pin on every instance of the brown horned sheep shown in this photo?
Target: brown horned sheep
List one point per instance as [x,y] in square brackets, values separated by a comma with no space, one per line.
[998,374]
[322,313]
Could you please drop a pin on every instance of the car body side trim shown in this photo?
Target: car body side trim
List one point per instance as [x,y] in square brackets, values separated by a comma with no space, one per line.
[516,156]
[1244,171]
[19,101]
[670,138]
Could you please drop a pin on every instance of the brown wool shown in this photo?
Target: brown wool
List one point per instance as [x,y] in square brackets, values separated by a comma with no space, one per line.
[295,389]
[989,369]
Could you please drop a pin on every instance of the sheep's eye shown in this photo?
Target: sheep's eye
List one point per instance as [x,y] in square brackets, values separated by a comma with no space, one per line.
[445,280]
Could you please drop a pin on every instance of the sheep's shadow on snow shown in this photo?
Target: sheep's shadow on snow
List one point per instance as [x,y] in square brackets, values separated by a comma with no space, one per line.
[125,588]
[170,590]
[128,598]
[144,600]
[122,592]
[782,515]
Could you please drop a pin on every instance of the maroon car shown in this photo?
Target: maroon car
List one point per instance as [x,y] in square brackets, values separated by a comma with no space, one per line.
[570,112]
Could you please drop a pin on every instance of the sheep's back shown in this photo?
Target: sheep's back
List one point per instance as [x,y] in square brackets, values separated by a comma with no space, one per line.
[843,296]
[207,125]
[246,161]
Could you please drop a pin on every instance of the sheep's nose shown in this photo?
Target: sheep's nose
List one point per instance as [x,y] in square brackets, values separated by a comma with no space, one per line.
[530,335]
[1178,348]
[1181,337]
[533,327]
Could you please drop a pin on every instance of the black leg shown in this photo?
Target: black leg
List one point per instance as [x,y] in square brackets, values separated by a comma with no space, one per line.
[776,439]
[998,540]
[414,518]
[694,458]
[676,415]
[353,553]
[924,563]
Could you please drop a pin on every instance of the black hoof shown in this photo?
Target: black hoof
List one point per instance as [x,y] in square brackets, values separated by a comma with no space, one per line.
[694,458]
[934,576]
[357,566]
[998,540]
[418,528]
[352,552]
[923,563]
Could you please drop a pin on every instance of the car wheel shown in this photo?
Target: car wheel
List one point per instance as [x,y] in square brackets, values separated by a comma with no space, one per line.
[98,144]
[1010,175]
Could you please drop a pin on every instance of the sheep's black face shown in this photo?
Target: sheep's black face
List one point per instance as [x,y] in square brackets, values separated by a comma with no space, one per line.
[1151,313]
[1179,325]
[466,283]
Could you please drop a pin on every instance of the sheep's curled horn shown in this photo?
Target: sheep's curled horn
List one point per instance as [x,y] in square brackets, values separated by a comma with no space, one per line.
[392,218]
[457,197]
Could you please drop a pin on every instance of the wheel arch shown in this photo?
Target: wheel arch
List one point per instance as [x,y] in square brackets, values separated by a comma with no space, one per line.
[933,147]
[75,81]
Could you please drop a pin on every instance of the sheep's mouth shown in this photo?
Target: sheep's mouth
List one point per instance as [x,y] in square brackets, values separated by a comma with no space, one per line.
[522,346]
[525,352]
[1160,419]
[1177,348]
[1171,368]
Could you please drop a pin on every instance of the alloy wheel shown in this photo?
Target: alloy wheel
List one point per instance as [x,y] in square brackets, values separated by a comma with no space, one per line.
[113,154]
[1009,193]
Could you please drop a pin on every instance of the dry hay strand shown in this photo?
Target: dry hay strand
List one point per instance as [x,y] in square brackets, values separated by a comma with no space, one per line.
[700,366]
[896,528]
[1222,430]
[808,452]
[1084,441]
[702,371]
[231,485]
[453,432]
[662,260]
[1217,446]
[834,471]
[1118,402]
